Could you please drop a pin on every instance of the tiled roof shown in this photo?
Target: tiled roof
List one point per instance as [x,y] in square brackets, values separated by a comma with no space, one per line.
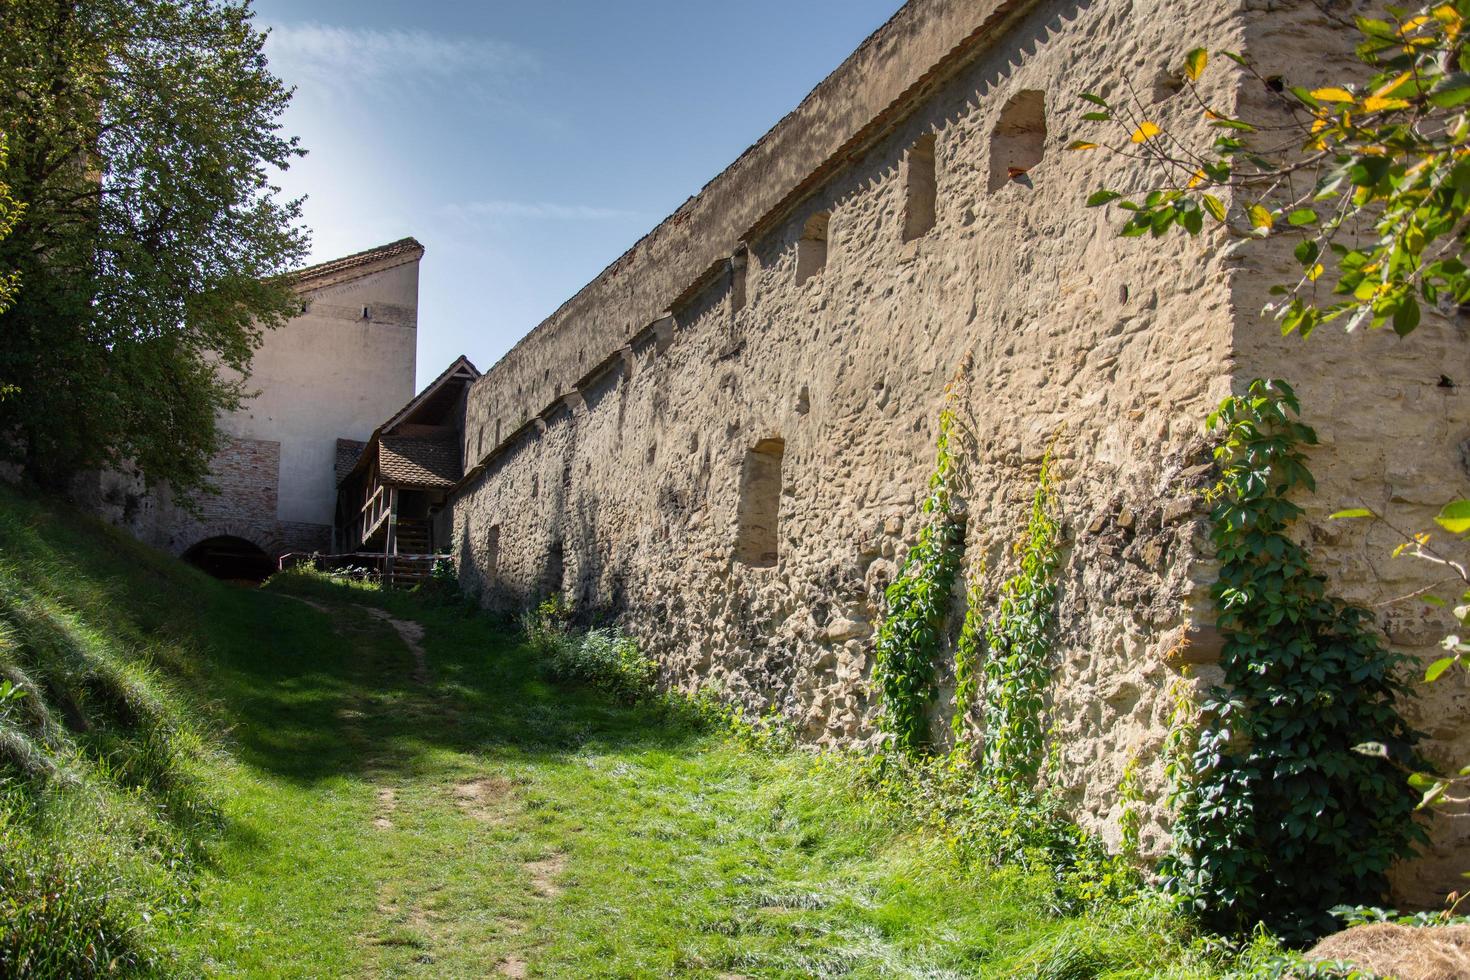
[348,451]
[336,267]
[419,462]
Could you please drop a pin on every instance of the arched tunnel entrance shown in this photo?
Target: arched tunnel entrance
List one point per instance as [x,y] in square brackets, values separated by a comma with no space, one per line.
[230,558]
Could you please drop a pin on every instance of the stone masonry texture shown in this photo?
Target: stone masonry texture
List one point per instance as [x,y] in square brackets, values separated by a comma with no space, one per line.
[723,440]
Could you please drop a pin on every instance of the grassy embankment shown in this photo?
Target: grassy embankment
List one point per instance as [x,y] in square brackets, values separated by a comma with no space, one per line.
[203,779]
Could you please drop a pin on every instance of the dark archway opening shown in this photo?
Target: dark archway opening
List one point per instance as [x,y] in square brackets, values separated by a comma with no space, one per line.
[232,559]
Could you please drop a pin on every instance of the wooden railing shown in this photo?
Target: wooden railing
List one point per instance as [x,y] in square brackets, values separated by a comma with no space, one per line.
[379,508]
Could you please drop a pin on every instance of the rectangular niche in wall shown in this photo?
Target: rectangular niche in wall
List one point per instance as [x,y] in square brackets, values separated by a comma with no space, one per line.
[811,249]
[760,505]
[739,279]
[920,189]
[492,553]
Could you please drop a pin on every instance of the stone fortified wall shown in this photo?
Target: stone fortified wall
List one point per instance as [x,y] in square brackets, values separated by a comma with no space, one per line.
[723,440]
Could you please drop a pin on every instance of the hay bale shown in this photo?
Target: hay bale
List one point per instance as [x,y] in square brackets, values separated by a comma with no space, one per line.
[1403,952]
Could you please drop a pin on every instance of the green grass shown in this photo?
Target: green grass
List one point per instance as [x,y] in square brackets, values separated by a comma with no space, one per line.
[286,799]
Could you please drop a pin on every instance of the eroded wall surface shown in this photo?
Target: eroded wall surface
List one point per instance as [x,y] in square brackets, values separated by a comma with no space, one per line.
[625,487]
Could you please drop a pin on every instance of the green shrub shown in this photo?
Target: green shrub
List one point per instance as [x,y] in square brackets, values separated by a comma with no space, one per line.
[607,660]
[548,627]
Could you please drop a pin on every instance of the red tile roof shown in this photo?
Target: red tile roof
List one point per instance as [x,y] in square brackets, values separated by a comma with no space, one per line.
[414,461]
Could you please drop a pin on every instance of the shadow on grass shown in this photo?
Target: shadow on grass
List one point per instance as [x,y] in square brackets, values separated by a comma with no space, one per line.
[308,695]
[329,691]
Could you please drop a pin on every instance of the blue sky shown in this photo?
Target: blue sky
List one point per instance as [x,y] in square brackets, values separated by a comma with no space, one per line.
[528,144]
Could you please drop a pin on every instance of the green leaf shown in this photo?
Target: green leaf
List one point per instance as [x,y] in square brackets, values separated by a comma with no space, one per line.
[1406,317]
[1302,216]
[1422,781]
[1432,795]
[1096,100]
[1100,198]
[1194,63]
[1351,512]
[1455,517]
[1260,217]
[1450,91]
[1438,667]
[1214,205]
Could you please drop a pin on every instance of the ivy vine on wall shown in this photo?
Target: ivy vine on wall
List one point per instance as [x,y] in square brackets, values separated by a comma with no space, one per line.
[1281,819]
[1017,661]
[968,650]
[918,602]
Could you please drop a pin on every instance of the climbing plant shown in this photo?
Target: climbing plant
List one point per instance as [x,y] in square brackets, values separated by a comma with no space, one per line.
[918,602]
[968,650]
[1017,666]
[1130,820]
[1283,819]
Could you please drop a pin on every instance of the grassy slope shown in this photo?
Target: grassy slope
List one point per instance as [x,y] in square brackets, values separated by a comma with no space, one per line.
[370,824]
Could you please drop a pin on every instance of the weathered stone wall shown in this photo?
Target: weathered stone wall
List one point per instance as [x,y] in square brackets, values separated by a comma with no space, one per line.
[630,452]
[626,490]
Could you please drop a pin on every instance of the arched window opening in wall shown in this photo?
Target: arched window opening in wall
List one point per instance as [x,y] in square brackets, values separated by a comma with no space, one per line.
[759,511]
[811,248]
[1019,140]
[920,189]
[492,553]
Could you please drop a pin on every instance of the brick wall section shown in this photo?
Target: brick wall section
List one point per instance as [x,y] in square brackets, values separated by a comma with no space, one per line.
[247,473]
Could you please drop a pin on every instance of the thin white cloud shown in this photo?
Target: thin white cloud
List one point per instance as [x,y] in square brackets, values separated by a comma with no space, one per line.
[351,58]
[536,211]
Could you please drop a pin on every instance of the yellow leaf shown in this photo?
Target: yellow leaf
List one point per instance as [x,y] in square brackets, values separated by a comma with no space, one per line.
[1388,88]
[1194,63]
[1082,145]
[1145,131]
[1260,217]
[1413,24]
[1376,103]
[1332,95]
[1315,273]
[1199,178]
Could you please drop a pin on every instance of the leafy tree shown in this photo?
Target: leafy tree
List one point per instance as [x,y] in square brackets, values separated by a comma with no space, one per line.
[10,211]
[152,246]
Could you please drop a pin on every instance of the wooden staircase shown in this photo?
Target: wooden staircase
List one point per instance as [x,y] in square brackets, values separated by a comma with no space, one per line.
[412,538]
